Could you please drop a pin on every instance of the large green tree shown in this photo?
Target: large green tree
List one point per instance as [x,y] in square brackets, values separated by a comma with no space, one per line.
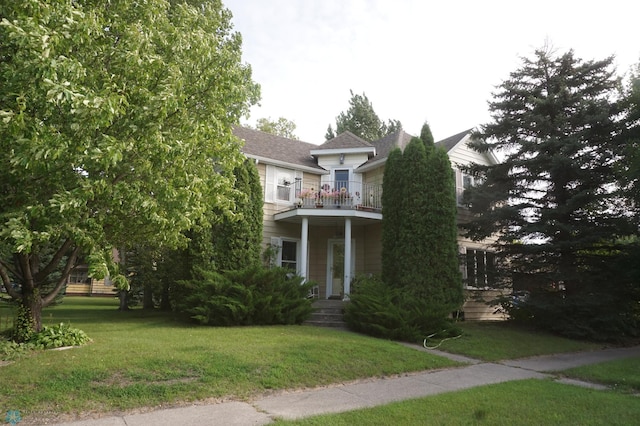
[427,257]
[362,120]
[280,127]
[237,236]
[420,266]
[115,128]
[553,203]
[392,195]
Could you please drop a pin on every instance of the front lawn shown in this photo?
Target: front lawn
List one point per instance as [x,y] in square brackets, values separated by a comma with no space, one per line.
[527,402]
[140,359]
[622,375]
[494,341]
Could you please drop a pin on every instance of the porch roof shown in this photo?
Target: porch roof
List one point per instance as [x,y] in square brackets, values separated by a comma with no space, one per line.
[328,216]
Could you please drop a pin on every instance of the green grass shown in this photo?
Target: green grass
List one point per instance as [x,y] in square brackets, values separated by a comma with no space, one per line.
[493,341]
[527,402]
[141,359]
[622,375]
[145,359]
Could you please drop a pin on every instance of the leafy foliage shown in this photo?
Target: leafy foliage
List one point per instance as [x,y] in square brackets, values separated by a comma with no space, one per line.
[115,128]
[377,310]
[554,203]
[280,127]
[237,237]
[59,335]
[361,120]
[252,296]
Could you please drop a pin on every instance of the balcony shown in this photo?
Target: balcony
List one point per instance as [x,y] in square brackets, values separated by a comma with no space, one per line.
[338,195]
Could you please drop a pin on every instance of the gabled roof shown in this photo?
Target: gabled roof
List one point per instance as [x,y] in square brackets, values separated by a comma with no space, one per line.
[452,141]
[263,145]
[345,140]
[392,140]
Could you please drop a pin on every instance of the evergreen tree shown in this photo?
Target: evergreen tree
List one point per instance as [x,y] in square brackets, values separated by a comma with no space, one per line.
[236,239]
[413,227]
[427,256]
[392,195]
[362,120]
[553,204]
[442,272]
[426,136]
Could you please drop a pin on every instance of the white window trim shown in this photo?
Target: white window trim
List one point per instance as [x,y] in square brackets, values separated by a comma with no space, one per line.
[277,242]
[271,184]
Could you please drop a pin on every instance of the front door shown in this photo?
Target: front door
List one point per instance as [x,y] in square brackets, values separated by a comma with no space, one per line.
[335,268]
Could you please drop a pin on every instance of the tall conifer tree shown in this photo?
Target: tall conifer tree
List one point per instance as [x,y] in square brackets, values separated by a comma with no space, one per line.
[553,203]
[392,195]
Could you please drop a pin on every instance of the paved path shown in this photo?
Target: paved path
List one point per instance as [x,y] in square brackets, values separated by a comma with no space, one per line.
[367,393]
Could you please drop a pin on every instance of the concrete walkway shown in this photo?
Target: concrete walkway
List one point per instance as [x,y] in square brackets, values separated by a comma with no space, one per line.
[366,393]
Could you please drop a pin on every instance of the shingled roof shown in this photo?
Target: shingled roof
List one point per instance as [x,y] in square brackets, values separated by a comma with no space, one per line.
[265,145]
[392,140]
[452,141]
[345,140]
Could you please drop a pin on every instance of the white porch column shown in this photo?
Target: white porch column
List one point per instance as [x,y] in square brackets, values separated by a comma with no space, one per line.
[304,236]
[347,258]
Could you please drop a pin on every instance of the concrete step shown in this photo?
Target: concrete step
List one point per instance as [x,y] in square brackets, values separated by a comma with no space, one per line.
[327,313]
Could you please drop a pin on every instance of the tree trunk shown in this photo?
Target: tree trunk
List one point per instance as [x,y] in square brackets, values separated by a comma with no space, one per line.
[29,317]
[124,305]
[165,302]
[147,298]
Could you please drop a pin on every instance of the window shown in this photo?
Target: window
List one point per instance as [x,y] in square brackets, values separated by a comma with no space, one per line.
[289,255]
[284,184]
[342,180]
[479,270]
[280,184]
[467,181]
[79,275]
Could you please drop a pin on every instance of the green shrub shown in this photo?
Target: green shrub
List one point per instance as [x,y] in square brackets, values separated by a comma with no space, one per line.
[251,296]
[10,350]
[59,335]
[380,311]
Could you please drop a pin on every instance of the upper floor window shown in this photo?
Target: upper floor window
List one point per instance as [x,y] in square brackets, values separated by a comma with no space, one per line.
[284,184]
[280,184]
[341,179]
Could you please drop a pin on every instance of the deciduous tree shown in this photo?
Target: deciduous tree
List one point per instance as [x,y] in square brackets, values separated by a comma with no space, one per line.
[280,127]
[115,128]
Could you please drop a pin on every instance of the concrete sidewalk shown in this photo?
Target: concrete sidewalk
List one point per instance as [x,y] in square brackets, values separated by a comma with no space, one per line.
[366,393]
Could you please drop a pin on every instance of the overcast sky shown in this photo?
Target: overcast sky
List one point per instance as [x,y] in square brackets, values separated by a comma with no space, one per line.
[415,60]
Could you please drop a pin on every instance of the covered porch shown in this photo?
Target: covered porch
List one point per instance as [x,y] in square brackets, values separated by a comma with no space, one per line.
[335,244]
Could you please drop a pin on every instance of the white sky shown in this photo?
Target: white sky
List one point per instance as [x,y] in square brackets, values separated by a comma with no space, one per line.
[416,60]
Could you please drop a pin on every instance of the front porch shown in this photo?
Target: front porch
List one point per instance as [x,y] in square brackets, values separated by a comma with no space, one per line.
[331,229]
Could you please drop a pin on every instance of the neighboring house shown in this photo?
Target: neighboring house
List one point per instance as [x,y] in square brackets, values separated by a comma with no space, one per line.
[323,211]
[80,284]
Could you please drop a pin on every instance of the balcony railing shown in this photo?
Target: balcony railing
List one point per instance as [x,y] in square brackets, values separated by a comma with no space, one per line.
[339,194]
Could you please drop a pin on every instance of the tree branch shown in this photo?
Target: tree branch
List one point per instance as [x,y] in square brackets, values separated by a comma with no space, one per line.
[6,281]
[71,262]
[54,261]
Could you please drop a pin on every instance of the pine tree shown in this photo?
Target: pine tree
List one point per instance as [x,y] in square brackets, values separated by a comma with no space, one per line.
[553,203]
[362,120]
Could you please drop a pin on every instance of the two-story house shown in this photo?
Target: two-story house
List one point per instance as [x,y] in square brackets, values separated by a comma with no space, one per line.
[323,211]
